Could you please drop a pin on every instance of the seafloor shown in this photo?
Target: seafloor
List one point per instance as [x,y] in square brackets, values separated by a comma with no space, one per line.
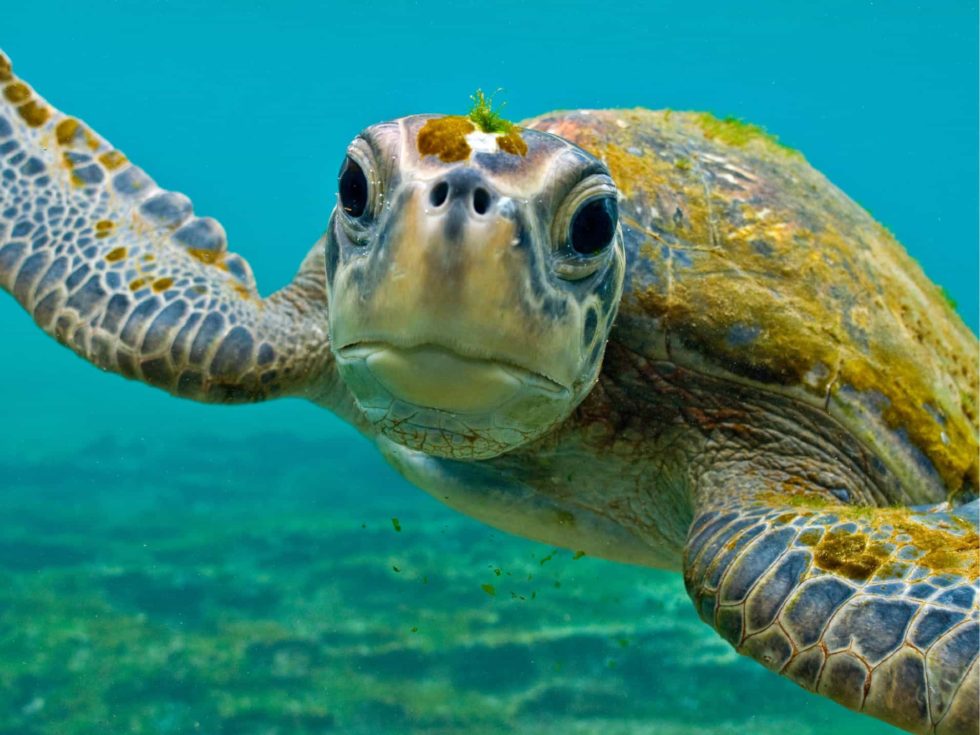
[261,586]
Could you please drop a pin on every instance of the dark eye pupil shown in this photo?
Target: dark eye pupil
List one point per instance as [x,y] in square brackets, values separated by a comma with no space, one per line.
[593,226]
[353,188]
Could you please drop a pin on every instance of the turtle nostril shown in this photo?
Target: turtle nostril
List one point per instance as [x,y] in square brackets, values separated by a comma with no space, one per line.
[439,193]
[481,200]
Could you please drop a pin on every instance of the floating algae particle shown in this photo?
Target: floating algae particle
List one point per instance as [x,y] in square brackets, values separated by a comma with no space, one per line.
[489,589]
[545,559]
[396,525]
[396,569]
[578,554]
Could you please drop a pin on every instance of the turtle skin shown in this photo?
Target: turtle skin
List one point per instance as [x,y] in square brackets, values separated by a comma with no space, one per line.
[783,389]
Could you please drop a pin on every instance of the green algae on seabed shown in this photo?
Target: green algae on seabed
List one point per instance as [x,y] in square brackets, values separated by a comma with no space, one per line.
[176,608]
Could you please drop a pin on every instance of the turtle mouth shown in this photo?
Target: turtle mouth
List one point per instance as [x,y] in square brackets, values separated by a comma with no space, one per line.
[438,377]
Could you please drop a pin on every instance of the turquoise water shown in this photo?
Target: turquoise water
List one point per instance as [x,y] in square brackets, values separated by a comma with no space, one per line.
[167,567]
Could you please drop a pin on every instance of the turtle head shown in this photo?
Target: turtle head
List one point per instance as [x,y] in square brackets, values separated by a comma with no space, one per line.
[472,280]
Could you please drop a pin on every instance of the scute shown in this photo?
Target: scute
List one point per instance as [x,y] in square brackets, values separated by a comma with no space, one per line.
[745,262]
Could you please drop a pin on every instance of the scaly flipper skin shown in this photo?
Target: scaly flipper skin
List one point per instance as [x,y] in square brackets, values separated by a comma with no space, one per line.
[874,608]
[125,275]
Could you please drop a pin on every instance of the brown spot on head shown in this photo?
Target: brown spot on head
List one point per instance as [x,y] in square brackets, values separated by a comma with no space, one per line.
[116,254]
[6,71]
[512,143]
[34,113]
[137,284]
[446,137]
[112,159]
[17,92]
[65,130]
[162,284]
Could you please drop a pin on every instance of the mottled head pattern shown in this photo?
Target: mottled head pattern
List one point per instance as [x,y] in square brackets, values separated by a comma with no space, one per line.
[472,281]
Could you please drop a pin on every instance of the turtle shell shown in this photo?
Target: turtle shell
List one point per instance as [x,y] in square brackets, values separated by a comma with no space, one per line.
[746,262]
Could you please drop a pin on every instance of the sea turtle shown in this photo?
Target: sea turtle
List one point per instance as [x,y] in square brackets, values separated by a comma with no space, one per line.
[658,338]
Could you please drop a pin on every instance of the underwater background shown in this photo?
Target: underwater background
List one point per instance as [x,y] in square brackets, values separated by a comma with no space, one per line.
[167,567]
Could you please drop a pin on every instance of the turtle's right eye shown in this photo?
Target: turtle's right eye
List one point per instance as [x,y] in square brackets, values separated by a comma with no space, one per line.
[353,186]
[593,226]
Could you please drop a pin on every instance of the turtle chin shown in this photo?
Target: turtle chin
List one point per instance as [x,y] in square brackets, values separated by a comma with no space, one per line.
[433,399]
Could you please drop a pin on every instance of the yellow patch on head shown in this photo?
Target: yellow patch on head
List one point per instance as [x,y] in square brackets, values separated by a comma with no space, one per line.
[512,143]
[446,137]
[34,113]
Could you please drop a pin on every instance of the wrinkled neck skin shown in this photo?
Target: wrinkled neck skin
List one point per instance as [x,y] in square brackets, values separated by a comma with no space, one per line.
[619,479]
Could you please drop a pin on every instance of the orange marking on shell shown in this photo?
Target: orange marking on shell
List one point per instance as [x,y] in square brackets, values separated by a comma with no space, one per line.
[446,137]
[65,130]
[17,92]
[34,113]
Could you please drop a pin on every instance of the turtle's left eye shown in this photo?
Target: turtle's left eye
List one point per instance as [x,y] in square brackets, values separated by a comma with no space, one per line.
[593,226]
[353,187]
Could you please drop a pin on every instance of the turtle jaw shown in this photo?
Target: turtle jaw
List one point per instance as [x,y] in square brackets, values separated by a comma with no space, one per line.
[432,398]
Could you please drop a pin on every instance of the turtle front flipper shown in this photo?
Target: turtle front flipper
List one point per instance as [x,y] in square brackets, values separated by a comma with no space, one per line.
[124,274]
[875,608]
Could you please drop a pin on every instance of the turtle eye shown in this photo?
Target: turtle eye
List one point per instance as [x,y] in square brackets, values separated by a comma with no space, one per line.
[593,226]
[353,188]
